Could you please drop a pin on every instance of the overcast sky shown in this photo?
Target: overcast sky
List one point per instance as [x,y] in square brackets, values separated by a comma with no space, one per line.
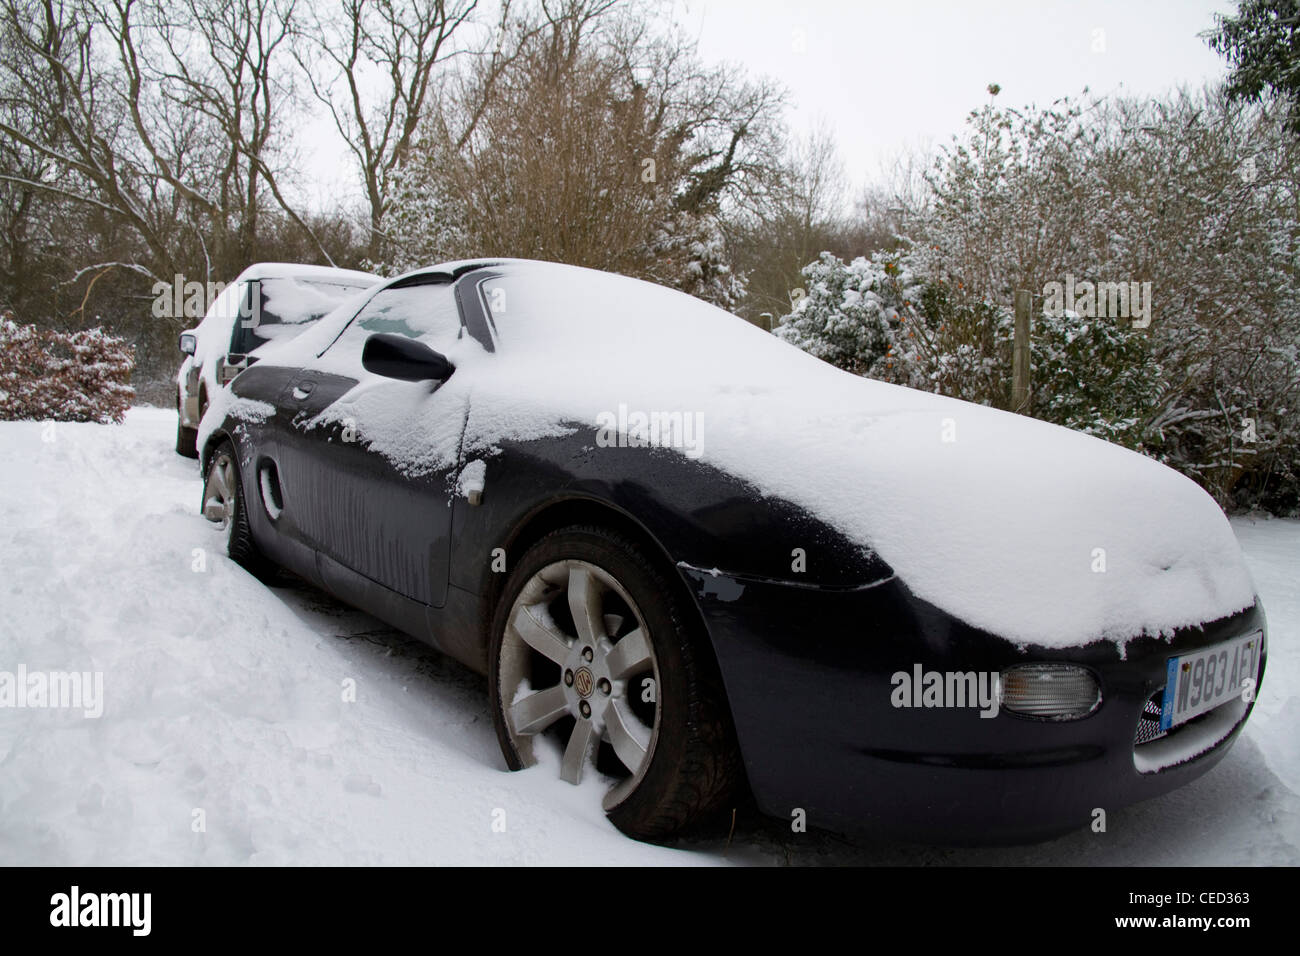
[885,75]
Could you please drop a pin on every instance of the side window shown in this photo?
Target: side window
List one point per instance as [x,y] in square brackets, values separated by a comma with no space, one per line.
[243,331]
[426,312]
[282,308]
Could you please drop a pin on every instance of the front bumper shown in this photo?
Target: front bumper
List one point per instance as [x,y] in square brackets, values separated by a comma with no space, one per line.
[808,675]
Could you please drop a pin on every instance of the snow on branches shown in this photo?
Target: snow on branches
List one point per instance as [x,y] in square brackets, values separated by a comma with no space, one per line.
[79,376]
[1193,200]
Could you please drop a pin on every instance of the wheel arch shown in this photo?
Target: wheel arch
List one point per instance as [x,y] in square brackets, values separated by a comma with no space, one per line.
[218,436]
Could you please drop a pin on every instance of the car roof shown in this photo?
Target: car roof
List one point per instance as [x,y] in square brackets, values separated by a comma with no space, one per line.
[297,270]
[458,267]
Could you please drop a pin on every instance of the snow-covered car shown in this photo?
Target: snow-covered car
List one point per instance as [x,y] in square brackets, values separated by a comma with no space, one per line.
[268,301]
[692,558]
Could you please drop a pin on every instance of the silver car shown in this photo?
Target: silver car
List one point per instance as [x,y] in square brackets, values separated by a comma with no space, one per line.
[268,301]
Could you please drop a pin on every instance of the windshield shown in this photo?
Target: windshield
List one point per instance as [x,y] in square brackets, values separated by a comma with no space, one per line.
[569,306]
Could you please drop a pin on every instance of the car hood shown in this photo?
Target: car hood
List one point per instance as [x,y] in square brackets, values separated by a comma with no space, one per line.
[1031,531]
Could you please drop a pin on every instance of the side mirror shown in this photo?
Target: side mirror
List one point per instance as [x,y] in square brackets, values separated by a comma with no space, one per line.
[396,356]
[189,342]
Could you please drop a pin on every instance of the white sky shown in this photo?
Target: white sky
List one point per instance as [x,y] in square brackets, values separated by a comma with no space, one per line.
[889,75]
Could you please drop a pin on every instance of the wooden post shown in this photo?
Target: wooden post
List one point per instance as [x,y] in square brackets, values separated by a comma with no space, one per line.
[1020,355]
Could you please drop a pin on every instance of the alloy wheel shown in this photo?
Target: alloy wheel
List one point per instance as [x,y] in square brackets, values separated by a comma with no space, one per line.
[578,663]
[219,490]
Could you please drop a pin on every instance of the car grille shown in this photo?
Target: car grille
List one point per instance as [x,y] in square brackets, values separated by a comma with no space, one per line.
[1148,728]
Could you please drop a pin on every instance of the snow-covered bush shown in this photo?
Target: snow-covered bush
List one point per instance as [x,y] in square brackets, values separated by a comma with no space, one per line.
[855,316]
[876,317]
[1198,196]
[1193,198]
[689,252]
[79,376]
[1095,375]
[426,222]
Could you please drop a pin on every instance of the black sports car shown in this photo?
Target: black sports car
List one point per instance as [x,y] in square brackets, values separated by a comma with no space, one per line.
[692,559]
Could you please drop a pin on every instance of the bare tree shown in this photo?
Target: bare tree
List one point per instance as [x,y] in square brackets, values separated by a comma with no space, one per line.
[63,109]
[220,61]
[801,214]
[384,56]
[588,137]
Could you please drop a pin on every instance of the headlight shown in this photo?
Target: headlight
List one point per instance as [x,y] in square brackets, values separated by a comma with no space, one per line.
[1050,691]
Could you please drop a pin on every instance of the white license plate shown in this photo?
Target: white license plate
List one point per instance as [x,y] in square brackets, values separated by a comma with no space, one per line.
[1201,681]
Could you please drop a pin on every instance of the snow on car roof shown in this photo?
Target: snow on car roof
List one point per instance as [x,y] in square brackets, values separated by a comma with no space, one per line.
[295,270]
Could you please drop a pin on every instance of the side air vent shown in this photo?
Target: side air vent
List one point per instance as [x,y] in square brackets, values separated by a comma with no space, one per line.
[268,480]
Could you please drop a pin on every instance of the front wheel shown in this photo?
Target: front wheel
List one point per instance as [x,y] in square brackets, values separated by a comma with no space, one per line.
[186,438]
[186,441]
[225,504]
[593,656]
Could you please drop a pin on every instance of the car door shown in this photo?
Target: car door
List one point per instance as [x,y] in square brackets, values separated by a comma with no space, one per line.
[356,485]
[260,441]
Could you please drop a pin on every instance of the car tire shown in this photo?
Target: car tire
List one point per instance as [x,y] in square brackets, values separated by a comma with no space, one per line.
[690,767]
[224,503]
[186,440]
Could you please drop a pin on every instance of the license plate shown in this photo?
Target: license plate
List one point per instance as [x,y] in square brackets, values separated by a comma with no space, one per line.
[1201,681]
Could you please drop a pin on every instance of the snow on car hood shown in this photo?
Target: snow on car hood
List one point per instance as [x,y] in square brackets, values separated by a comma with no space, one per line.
[1028,530]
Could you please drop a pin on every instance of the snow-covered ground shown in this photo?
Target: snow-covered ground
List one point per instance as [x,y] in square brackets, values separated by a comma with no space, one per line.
[228,736]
